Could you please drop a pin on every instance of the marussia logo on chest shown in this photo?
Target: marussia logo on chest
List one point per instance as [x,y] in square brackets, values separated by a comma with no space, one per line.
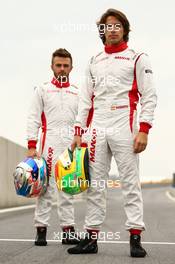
[70,92]
[122,58]
[58,91]
[53,91]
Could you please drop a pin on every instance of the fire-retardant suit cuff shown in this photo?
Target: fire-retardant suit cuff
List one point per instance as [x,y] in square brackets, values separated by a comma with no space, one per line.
[144,127]
[32,144]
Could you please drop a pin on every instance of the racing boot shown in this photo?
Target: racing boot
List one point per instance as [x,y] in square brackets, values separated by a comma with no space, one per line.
[88,245]
[40,239]
[69,236]
[136,249]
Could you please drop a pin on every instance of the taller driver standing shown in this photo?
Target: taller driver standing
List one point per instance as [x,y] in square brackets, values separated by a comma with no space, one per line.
[116,78]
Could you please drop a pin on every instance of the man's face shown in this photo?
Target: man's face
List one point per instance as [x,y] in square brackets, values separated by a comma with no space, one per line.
[114,30]
[61,68]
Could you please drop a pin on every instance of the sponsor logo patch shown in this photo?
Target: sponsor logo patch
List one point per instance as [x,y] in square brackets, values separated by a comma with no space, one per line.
[93,145]
[122,58]
[114,107]
[49,160]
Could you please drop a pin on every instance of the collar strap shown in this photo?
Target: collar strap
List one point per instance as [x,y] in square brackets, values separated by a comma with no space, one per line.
[116,48]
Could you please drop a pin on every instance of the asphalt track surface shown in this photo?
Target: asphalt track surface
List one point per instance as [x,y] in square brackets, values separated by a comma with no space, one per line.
[17,233]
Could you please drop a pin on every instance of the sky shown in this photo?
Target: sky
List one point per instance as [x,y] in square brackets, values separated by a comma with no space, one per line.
[31,30]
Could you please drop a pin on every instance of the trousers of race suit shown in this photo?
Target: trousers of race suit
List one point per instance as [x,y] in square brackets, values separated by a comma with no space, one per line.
[52,149]
[111,135]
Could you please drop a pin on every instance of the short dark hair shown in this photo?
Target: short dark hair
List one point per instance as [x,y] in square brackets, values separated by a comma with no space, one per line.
[120,16]
[62,53]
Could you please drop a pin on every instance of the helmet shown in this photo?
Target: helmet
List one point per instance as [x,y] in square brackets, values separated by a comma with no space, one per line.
[72,171]
[31,177]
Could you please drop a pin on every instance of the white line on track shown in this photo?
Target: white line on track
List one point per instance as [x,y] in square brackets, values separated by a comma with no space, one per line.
[15,209]
[105,242]
[26,207]
[20,208]
[168,194]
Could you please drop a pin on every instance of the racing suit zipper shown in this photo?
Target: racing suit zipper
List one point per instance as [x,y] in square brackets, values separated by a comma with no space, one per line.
[61,99]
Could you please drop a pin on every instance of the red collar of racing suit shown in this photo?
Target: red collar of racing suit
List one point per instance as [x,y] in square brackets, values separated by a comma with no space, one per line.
[116,48]
[60,84]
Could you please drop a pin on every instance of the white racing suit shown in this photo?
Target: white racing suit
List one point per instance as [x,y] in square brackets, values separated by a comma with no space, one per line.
[54,108]
[115,81]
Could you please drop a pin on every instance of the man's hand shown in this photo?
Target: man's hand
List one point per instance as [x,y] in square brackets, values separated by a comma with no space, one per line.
[140,142]
[76,143]
[33,153]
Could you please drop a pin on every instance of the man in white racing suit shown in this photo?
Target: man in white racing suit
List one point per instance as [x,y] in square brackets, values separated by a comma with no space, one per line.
[54,109]
[116,78]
